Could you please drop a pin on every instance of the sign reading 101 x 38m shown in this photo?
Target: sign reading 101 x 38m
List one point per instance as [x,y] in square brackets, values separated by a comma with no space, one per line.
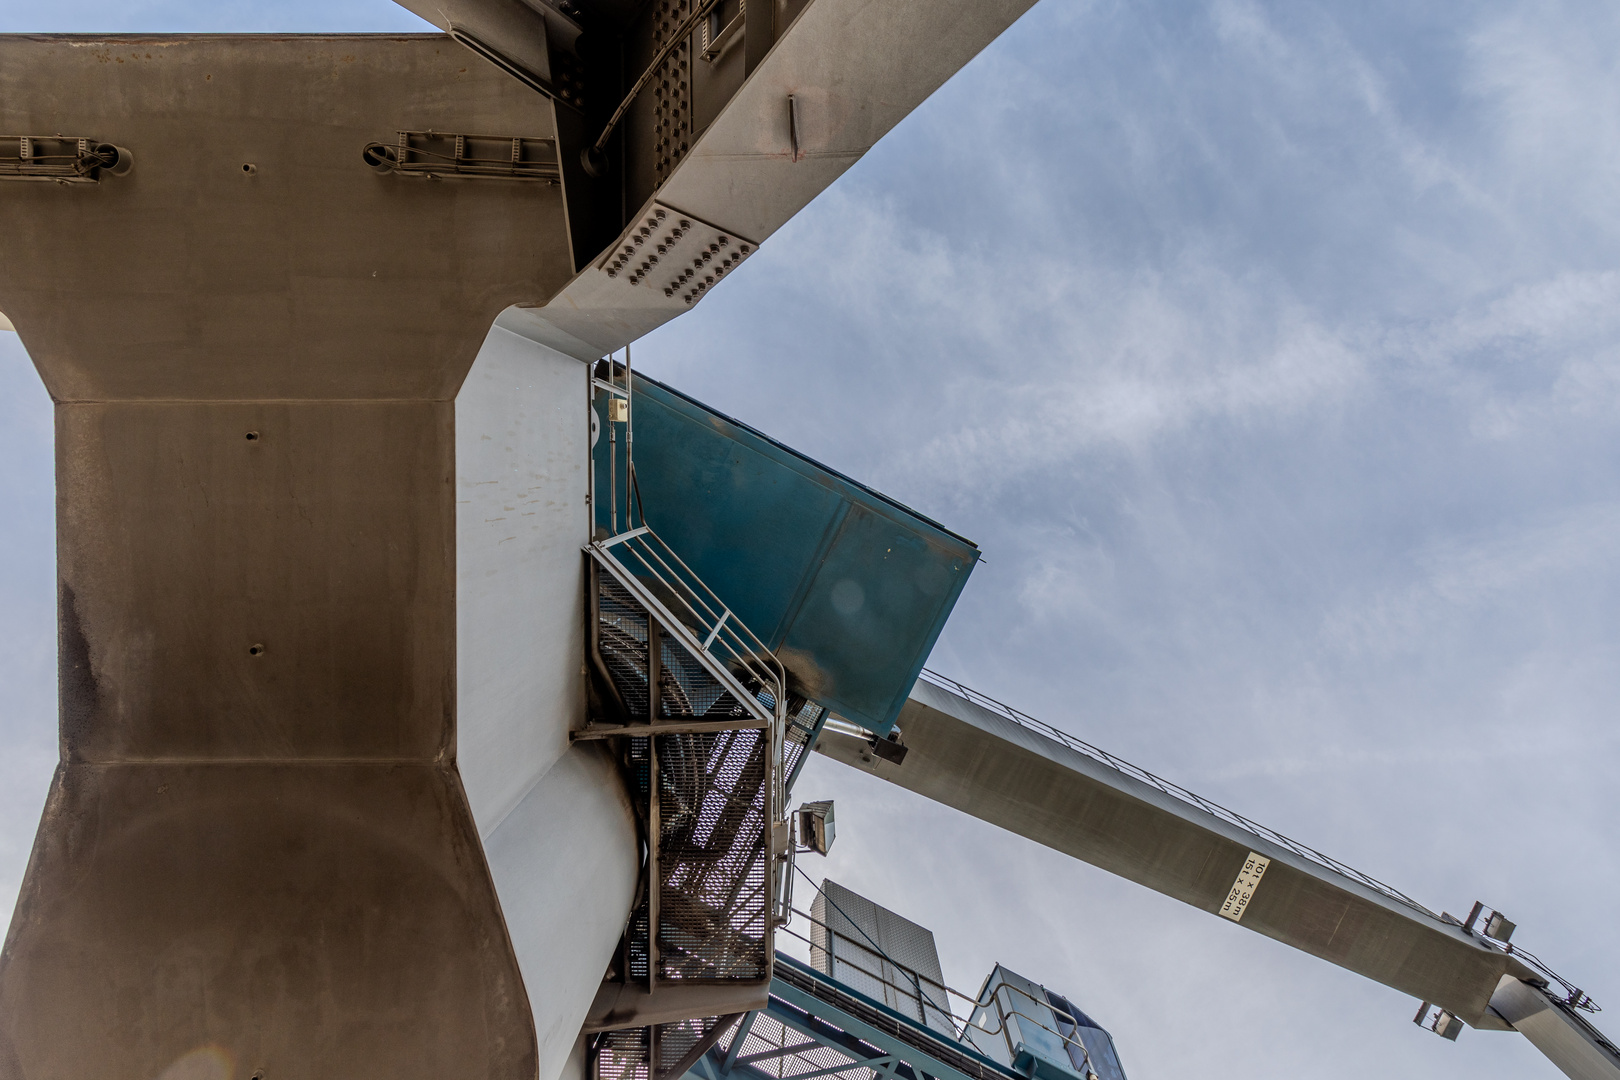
[1248,879]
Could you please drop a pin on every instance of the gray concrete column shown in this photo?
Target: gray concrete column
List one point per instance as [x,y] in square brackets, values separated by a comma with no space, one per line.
[257,855]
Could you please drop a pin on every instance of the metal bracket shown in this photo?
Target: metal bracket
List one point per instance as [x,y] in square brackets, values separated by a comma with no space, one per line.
[62,159]
[1443,1024]
[715,46]
[444,154]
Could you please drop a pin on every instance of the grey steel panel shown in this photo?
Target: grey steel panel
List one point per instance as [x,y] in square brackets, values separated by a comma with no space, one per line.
[626,1005]
[984,764]
[880,953]
[1568,1041]
[856,69]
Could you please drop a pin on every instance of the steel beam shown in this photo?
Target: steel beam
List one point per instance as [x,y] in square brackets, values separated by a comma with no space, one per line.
[1557,1030]
[854,69]
[983,763]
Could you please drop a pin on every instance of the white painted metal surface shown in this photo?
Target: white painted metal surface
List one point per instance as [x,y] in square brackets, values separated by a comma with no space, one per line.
[557,826]
[522,444]
[565,864]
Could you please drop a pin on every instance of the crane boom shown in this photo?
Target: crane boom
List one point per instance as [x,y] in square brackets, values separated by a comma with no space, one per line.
[968,752]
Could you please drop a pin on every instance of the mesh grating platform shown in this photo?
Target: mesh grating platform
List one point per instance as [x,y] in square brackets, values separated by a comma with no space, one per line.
[789,1055]
[802,729]
[646,1053]
[714,901]
[622,631]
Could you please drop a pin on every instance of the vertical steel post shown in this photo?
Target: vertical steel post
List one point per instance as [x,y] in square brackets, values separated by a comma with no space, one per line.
[653,878]
[590,454]
[655,664]
[629,441]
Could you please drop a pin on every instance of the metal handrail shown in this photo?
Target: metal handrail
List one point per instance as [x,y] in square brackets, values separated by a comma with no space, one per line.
[706,627]
[712,627]
[961,1024]
[711,632]
[946,1011]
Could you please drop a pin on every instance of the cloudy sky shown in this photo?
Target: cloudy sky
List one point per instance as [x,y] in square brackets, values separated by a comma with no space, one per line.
[1271,352]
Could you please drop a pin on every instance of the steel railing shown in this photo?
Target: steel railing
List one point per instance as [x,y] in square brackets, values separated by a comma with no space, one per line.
[914,989]
[688,608]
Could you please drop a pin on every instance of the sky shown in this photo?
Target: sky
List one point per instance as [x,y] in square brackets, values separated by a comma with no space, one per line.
[1271,354]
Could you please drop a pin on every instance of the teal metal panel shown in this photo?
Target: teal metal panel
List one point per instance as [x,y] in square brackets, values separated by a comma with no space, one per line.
[850,588]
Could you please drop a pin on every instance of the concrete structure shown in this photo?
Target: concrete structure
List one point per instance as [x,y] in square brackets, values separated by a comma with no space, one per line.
[257,840]
[312,310]
[321,605]
[968,756]
[1580,1051]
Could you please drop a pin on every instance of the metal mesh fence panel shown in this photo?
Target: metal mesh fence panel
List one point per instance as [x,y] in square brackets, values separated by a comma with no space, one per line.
[622,641]
[713,873]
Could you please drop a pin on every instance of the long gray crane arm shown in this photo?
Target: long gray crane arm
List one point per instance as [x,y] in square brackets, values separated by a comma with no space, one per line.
[990,762]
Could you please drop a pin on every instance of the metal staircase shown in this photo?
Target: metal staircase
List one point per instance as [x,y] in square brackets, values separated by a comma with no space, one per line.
[700,709]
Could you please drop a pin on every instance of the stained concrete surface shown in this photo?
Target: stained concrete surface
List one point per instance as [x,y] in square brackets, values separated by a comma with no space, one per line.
[258,846]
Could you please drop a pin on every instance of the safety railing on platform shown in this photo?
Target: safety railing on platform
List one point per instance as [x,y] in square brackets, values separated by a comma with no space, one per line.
[691,610]
[937,997]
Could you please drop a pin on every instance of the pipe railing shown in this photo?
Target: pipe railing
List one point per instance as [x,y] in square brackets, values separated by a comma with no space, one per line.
[960,1024]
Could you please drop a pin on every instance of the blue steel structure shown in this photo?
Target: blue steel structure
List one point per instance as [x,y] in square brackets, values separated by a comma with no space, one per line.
[815,1026]
[837,1031]
[898,1024]
[847,587]
[1038,1032]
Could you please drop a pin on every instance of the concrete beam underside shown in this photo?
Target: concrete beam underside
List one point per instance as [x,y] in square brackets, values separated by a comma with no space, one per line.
[257,849]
